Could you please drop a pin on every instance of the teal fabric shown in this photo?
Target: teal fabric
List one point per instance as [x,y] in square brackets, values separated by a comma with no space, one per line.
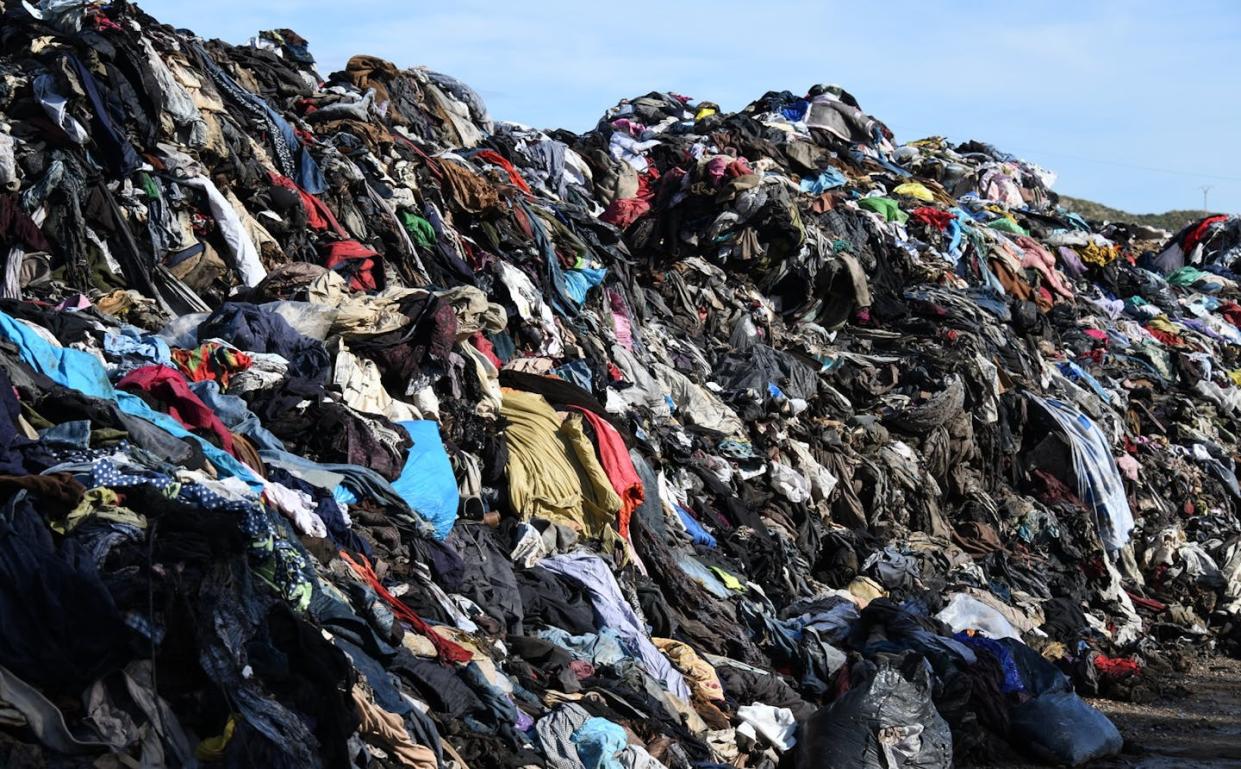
[428,483]
[598,741]
[83,372]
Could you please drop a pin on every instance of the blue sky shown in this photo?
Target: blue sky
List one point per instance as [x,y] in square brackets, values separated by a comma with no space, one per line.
[1134,104]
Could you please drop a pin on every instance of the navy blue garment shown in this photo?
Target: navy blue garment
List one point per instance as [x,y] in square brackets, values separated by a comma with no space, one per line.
[62,630]
[252,329]
[10,439]
[118,154]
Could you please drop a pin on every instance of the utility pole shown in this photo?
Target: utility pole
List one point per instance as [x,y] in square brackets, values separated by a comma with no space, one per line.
[1205,189]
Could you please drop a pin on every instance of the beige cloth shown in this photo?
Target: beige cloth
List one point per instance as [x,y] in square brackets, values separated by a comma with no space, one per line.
[703,680]
[362,388]
[387,729]
[474,312]
[359,314]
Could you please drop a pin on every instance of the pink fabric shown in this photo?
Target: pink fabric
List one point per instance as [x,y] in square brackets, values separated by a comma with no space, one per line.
[1037,257]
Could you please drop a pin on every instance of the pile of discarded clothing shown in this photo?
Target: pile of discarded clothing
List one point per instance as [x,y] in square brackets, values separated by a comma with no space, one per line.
[342,425]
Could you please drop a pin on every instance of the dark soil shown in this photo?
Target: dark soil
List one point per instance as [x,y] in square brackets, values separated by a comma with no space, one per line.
[1194,724]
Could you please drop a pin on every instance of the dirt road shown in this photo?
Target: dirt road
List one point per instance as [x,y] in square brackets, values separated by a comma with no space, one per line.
[1200,729]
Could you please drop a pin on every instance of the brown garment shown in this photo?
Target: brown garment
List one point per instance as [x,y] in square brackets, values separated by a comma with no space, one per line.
[286,281]
[977,538]
[61,491]
[376,137]
[387,729]
[371,72]
[469,190]
[244,450]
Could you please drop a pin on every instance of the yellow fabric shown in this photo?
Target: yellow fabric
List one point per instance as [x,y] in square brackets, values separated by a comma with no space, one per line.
[103,503]
[541,482]
[915,190]
[731,582]
[1100,255]
[703,680]
[864,590]
[553,472]
[1161,323]
[1235,376]
[212,748]
[704,112]
[601,504]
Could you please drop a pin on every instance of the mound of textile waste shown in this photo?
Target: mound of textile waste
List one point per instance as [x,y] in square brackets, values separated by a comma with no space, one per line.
[343,425]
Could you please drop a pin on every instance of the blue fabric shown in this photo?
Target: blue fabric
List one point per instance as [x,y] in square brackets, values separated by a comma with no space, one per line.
[578,372]
[696,532]
[795,110]
[828,179]
[579,281]
[605,648]
[1012,676]
[427,482]
[132,348]
[236,415]
[598,741]
[67,435]
[83,372]
[1074,371]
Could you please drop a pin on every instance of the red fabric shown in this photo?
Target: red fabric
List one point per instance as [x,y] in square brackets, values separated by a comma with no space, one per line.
[1096,334]
[495,158]
[448,650]
[318,215]
[1172,340]
[934,217]
[1116,667]
[1199,232]
[353,260]
[484,345]
[168,386]
[619,467]
[646,184]
[1232,311]
[625,211]
[1148,603]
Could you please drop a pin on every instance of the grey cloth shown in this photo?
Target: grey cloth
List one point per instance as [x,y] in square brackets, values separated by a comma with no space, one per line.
[550,155]
[611,611]
[463,93]
[56,107]
[44,719]
[555,731]
[8,165]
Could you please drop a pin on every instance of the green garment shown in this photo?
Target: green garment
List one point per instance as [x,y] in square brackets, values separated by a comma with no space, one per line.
[420,230]
[890,209]
[1004,224]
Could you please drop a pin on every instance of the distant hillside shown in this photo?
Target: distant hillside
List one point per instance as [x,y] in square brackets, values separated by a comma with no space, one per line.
[1169,220]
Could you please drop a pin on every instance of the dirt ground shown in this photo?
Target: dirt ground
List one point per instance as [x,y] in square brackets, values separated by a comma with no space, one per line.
[1196,724]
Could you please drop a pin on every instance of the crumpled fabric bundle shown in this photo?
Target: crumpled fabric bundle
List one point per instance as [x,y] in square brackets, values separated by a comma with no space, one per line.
[343,423]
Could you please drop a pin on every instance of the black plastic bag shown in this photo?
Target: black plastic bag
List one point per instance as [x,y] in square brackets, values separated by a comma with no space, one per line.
[887,723]
[1062,728]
